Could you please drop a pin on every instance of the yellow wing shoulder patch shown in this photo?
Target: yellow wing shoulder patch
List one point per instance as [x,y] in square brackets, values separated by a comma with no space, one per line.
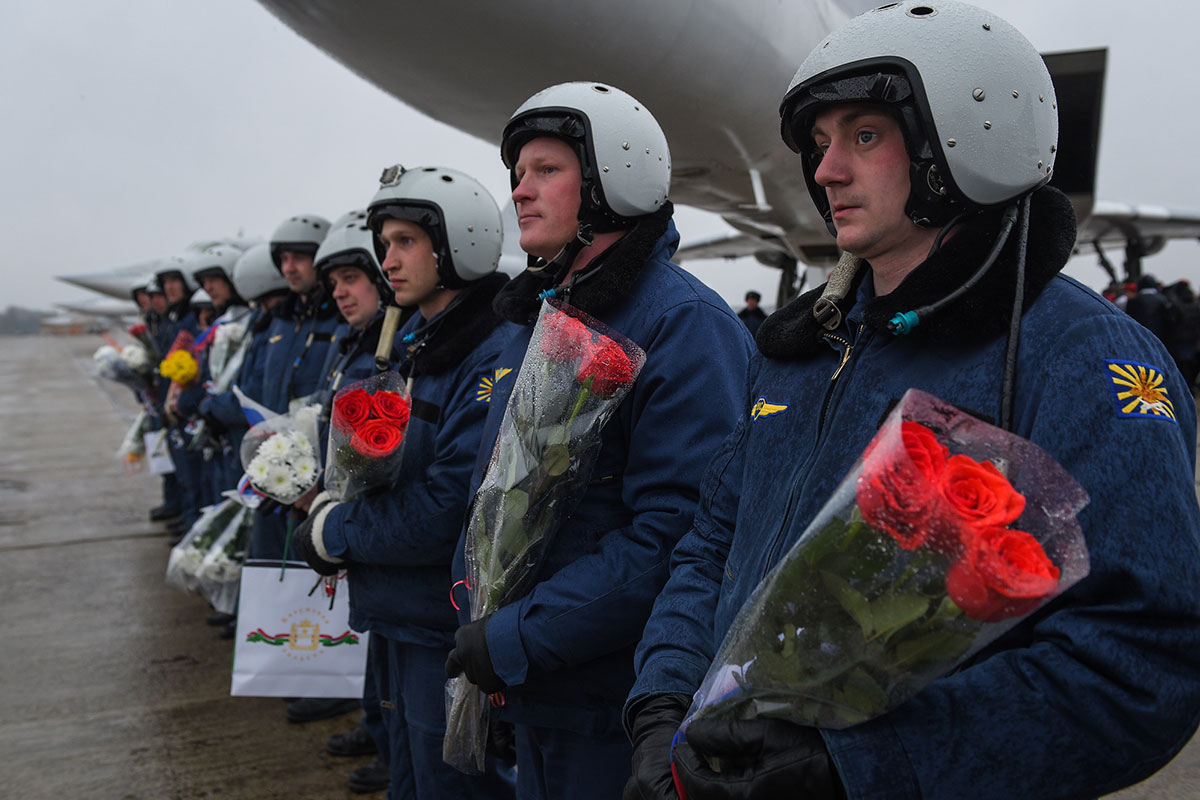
[1139,390]
[764,409]
[483,393]
[275,338]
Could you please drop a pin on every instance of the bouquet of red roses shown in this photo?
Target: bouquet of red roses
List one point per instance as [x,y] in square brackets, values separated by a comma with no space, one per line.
[141,333]
[366,435]
[574,375]
[945,533]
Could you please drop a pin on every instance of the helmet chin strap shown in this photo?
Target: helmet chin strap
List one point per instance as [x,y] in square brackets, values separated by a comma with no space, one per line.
[566,256]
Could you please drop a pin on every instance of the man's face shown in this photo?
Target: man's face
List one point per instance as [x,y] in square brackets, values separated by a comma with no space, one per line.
[751,302]
[174,288]
[218,289]
[409,261]
[864,170]
[142,299]
[355,295]
[547,195]
[298,271]
[158,302]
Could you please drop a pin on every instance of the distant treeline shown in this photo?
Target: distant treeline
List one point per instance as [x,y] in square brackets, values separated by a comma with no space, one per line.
[16,320]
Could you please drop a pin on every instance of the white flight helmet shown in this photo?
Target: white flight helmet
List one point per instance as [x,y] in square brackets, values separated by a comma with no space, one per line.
[255,275]
[217,260]
[457,212]
[180,265]
[201,299]
[139,285]
[621,148]
[302,233]
[350,243]
[972,95]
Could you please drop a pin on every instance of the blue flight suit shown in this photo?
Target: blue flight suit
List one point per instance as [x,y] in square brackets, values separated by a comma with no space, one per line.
[565,649]
[1091,693]
[398,543]
[297,343]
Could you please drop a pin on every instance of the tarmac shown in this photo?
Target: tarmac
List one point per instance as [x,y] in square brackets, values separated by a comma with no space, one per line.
[113,686]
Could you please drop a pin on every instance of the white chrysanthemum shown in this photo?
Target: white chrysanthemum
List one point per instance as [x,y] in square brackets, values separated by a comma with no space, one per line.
[306,470]
[276,448]
[281,481]
[105,352]
[258,468]
[229,332]
[135,356]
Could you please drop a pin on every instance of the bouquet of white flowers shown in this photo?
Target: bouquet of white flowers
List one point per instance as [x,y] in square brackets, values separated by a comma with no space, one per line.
[188,557]
[281,455]
[220,573]
[138,359]
[110,364]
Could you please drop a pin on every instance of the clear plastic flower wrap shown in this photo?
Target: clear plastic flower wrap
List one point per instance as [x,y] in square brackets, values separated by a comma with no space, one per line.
[574,375]
[187,558]
[367,424]
[946,532]
[110,365]
[220,573]
[280,454]
[132,451]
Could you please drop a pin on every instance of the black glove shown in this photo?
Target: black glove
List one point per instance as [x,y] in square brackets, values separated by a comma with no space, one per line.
[308,542]
[501,740]
[655,721]
[756,758]
[470,657]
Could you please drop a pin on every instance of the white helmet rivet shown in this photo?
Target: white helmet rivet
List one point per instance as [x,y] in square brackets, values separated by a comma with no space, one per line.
[605,169]
[647,151]
[624,145]
[987,27]
[1039,165]
[627,164]
[952,142]
[1053,148]
[470,228]
[1016,93]
[979,94]
[1041,98]
[987,126]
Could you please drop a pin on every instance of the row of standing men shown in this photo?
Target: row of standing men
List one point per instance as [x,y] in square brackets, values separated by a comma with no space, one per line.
[695,493]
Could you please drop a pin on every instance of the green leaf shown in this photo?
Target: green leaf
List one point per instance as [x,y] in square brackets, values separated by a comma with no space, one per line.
[559,435]
[823,542]
[935,646]
[892,612]
[863,693]
[849,599]
[556,459]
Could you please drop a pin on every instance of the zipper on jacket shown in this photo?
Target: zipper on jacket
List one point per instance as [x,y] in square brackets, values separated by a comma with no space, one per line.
[791,503]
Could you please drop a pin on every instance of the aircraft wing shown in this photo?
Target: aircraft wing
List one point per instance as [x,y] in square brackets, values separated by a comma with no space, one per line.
[112,282]
[733,244]
[1118,223]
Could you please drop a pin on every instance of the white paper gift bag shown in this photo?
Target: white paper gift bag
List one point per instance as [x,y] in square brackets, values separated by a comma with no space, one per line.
[158,457]
[291,643]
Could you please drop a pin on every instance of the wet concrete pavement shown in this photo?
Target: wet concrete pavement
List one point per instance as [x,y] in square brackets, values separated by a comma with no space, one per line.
[112,686]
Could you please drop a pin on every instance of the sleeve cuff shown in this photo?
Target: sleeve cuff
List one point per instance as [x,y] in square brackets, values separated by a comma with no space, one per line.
[871,761]
[333,531]
[504,644]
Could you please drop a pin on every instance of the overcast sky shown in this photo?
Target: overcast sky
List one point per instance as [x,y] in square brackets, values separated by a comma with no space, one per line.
[133,128]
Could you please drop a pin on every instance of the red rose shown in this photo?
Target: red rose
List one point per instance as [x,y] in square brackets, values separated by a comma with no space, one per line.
[896,489]
[137,330]
[390,406]
[608,367]
[351,410]
[1003,573]
[564,337]
[979,494]
[377,438]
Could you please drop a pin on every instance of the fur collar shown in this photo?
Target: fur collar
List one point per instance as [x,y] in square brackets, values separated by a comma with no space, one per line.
[599,286]
[458,330]
[983,312]
[319,306]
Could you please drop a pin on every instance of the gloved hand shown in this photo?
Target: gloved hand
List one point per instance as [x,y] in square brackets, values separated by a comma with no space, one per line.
[501,740]
[757,758]
[470,657]
[308,540]
[655,721]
